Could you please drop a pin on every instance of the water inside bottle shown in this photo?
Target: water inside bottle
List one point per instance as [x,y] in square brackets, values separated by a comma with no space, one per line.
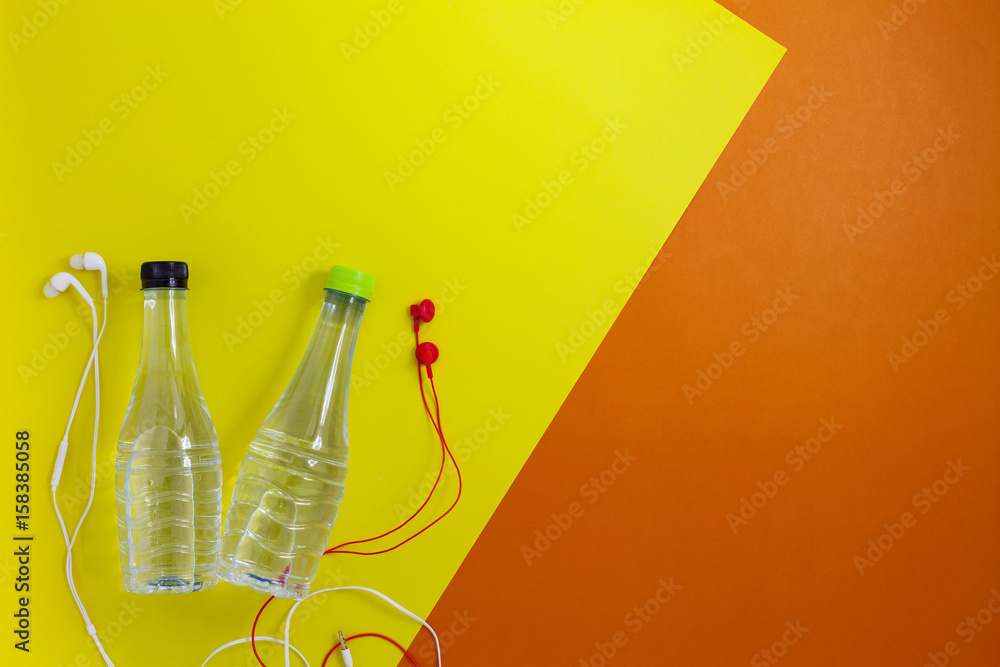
[283,509]
[169,493]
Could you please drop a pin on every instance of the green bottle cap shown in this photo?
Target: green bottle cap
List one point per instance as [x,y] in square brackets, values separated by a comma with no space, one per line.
[351,281]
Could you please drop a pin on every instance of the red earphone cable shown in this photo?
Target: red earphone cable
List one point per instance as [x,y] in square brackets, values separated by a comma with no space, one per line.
[458,473]
[253,631]
[437,480]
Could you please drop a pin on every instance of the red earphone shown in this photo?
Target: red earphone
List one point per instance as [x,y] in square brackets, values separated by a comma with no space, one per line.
[426,353]
[423,311]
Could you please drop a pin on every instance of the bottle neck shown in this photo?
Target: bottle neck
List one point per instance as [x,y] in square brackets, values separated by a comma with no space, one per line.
[166,392]
[164,329]
[313,407]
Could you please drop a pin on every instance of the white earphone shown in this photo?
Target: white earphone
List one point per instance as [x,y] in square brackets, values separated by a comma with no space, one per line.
[58,284]
[91,261]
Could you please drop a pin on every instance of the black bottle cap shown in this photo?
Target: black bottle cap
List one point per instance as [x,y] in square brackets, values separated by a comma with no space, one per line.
[171,275]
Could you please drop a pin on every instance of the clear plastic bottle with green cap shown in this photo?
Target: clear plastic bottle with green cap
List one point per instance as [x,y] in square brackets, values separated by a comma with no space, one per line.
[292,480]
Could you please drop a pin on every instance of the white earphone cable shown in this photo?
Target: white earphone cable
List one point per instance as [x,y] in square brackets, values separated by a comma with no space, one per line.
[288,620]
[57,474]
[97,419]
[246,640]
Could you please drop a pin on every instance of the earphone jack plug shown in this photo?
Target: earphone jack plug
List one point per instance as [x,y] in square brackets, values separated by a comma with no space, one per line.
[345,652]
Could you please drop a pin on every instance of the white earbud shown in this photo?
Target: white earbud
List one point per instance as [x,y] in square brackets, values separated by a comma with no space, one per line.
[60,282]
[91,261]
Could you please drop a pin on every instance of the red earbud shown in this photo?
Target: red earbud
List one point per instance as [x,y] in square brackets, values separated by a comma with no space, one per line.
[427,353]
[422,312]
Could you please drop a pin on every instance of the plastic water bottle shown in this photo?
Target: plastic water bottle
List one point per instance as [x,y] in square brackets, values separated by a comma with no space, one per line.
[168,474]
[292,480]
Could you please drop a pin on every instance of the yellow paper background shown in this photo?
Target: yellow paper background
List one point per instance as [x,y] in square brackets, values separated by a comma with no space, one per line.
[520,309]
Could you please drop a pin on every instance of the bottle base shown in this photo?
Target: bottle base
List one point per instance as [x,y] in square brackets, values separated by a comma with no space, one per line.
[263,582]
[169,585]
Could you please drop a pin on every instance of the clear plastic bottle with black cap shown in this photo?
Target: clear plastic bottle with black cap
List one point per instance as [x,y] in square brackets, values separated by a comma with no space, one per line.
[168,473]
[292,480]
